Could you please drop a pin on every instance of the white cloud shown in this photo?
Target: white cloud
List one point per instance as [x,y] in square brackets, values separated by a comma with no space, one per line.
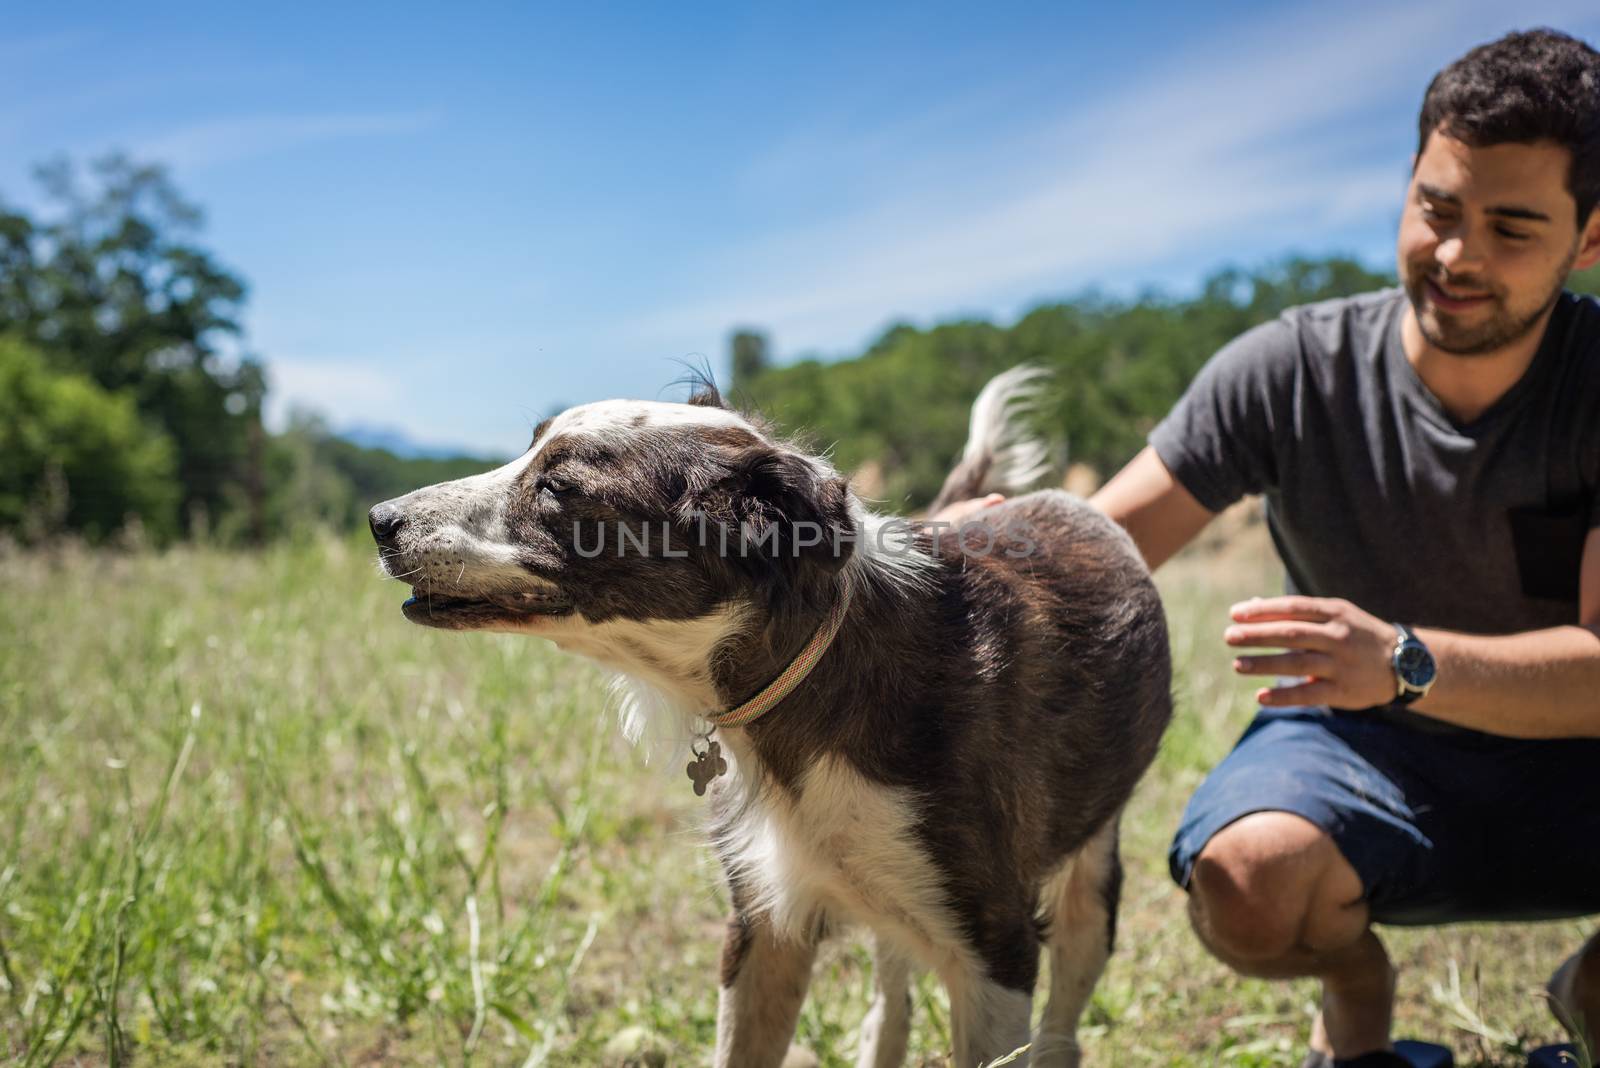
[1225,142]
[433,404]
[345,391]
[226,140]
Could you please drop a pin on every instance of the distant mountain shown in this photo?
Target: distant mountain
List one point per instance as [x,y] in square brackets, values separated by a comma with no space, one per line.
[397,441]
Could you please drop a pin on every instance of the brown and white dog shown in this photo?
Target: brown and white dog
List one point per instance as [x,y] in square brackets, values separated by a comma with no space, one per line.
[951,772]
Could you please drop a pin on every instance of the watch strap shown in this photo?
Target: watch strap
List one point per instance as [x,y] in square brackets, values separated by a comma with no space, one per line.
[1405,693]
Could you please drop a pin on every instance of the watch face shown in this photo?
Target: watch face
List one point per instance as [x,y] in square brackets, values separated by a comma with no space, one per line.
[1415,665]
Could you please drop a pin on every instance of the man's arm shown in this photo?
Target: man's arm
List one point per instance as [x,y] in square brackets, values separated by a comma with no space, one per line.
[1157,511]
[1536,684]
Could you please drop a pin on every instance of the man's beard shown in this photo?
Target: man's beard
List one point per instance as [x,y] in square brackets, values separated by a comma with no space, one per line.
[1501,328]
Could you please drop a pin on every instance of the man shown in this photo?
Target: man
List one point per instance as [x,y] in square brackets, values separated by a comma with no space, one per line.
[1430,749]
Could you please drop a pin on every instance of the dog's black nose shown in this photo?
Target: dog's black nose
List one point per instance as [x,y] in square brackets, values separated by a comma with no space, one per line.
[385,521]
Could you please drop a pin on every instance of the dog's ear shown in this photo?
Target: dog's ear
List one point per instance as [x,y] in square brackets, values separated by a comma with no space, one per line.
[780,509]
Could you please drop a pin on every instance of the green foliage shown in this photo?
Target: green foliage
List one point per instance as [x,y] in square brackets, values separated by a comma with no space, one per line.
[749,350]
[1119,366]
[112,286]
[1585,282]
[251,816]
[76,456]
[319,481]
[114,295]
[111,291]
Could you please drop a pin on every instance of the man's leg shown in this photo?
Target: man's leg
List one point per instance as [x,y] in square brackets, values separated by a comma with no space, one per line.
[1272,896]
[1316,824]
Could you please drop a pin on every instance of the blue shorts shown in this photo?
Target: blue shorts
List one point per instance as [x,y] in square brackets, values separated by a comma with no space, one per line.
[1442,824]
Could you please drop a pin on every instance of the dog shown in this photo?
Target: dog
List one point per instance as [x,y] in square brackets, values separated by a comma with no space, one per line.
[929,732]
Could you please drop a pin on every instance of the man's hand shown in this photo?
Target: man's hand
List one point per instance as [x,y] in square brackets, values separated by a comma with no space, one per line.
[957,512]
[1343,653]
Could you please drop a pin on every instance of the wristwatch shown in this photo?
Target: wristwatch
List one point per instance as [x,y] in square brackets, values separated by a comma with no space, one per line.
[1414,669]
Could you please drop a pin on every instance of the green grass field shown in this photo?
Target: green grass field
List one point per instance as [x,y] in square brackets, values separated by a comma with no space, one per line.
[249,815]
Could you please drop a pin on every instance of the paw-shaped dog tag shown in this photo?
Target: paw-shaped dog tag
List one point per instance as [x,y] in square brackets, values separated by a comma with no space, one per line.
[706,766]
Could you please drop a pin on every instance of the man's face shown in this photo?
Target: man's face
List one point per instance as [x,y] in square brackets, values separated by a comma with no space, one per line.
[1486,240]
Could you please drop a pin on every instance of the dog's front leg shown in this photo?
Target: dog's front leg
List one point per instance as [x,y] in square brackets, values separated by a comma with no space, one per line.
[764,980]
[987,1020]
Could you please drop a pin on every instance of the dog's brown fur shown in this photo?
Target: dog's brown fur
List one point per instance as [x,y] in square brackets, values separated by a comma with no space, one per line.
[950,774]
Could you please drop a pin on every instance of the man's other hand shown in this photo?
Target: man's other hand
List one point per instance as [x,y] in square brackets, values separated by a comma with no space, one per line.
[1342,654]
[957,513]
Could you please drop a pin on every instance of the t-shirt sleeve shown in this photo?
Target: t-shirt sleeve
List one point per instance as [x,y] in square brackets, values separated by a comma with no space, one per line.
[1219,441]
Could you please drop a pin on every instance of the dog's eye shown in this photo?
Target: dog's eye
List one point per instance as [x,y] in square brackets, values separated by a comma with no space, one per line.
[555,486]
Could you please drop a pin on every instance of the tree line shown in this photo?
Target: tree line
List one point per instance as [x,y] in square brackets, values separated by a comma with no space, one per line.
[127,400]
[129,404]
[1117,365]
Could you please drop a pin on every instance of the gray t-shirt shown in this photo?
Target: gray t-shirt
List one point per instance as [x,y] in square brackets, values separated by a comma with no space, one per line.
[1373,493]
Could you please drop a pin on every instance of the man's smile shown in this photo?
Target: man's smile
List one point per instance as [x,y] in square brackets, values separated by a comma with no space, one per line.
[1455,300]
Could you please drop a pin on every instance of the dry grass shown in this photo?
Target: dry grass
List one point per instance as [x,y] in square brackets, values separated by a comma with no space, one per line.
[249,815]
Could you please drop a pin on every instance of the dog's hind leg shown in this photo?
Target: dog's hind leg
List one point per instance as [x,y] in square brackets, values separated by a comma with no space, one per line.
[887,1028]
[764,980]
[1083,921]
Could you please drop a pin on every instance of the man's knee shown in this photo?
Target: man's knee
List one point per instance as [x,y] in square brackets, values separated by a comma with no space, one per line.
[1270,884]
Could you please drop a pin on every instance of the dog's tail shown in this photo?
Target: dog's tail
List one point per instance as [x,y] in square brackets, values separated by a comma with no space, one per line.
[1001,456]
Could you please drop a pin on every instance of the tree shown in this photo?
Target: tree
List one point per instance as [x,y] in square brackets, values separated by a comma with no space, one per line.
[112,286]
[1585,282]
[320,481]
[749,356]
[1118,365]
[76,456]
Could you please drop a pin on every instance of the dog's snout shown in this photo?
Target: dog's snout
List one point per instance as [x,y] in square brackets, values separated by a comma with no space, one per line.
[386,521]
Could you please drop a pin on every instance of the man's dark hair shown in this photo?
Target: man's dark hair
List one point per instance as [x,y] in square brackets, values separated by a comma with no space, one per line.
[1540,85]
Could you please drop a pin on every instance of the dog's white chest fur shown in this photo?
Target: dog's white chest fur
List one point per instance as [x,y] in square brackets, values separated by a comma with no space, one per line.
[844,846]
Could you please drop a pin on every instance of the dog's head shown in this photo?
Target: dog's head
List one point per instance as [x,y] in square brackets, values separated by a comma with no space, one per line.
[619,513]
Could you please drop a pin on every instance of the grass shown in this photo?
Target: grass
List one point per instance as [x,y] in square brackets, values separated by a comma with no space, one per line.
[248,815]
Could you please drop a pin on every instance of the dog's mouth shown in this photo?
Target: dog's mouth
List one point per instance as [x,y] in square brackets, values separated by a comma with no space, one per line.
[450,612]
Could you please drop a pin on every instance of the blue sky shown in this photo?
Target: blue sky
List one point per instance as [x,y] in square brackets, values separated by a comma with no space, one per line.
[455,218]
